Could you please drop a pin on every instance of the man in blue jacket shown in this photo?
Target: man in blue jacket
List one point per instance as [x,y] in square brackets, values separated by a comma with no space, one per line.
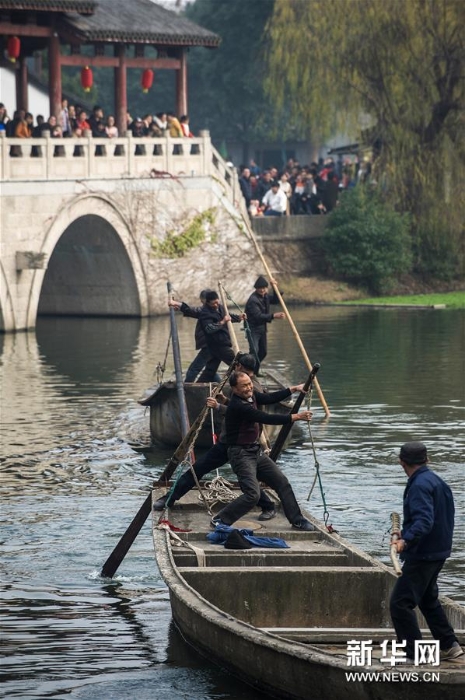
[424,544]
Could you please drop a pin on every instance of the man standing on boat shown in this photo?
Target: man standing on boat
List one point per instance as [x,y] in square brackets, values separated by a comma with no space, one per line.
[242,421]
[203,355]
[217,455]
[424,543]
[213,320]
[258,314]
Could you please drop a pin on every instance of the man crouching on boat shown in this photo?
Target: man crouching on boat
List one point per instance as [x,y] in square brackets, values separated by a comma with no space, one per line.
[242,423]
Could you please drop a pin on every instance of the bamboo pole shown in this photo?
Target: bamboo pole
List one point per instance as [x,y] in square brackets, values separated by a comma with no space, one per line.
[264,441]
[288,316]
[232,332]
[186,445]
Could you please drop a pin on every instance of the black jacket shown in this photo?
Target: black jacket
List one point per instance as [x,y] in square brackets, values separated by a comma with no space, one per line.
[216,335]
[258,310]
[243,419]
[194,312]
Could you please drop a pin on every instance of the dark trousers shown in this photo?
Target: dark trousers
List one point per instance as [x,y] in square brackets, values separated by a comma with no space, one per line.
[218,354]
[197,365]
[258,346]
[251,467]
[418,587]
[215,458]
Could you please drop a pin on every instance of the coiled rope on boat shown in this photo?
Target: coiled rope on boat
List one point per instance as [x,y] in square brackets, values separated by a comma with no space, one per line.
[218,490]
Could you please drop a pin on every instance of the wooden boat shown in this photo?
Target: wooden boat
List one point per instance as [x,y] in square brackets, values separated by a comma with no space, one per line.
[281,619]
[165,419]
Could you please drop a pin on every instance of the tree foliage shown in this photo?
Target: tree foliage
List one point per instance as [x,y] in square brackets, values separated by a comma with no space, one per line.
[367,241]
[226,93]
[397,68]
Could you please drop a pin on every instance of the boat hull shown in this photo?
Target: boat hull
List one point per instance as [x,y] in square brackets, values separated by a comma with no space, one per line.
[281,619]
[165,417]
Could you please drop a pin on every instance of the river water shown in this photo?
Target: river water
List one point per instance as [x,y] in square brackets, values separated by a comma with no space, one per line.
[71,483]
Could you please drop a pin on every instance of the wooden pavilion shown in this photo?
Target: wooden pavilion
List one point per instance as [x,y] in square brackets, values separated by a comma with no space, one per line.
[64,27]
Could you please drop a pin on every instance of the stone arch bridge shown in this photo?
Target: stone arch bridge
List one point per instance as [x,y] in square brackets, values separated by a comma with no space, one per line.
[87,225]
[96,227]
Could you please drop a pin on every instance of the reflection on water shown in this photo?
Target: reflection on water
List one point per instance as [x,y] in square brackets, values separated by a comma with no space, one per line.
[70,482]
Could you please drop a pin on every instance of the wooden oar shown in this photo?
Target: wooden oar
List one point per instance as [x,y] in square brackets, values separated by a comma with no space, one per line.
[288,316]
[116,557]
[286,428]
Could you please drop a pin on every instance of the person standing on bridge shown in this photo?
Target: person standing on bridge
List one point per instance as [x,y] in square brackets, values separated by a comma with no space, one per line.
[424,543]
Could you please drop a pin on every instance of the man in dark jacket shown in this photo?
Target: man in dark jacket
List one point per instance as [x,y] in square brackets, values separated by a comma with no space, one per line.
[258,315]
[217,455]
[264,184]
[202,357]
[245,185]
[213,320]
[424,544]
[243,422]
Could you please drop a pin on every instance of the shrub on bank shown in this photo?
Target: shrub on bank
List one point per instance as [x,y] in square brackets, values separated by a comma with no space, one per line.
[367,242]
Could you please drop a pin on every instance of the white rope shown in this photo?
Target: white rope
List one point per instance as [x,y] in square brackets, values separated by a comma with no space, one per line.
[219,491]
[178,542]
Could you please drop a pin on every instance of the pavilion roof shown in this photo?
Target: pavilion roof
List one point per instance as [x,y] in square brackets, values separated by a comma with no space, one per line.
[138,22]
[84,6]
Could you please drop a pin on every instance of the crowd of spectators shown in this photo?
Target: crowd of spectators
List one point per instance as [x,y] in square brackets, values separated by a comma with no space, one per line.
[308,189]
[76,122]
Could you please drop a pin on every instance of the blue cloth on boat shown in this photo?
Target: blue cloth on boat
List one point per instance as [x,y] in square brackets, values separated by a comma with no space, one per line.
[221,532]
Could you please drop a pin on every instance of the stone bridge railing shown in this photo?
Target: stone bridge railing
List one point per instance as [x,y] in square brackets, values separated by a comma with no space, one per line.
[127,157]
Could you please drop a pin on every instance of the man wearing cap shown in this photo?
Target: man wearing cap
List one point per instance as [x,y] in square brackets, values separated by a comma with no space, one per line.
[213,320]
[202,357]
[424,543]
[258,315]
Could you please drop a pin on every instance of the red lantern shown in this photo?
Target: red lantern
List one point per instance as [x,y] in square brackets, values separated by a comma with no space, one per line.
[146,80]
[87,79]
[13,48]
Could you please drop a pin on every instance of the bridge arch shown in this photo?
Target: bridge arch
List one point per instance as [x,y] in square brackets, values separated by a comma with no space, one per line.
[94,268]
[7,314]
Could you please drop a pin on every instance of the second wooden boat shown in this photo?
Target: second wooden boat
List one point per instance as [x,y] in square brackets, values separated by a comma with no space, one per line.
[165,420]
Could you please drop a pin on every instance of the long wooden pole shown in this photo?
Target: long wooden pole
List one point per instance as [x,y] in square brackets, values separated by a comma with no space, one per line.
[286,428]
[288,316]
[178,370]
[116,557]
[113,562]
[232,332]
[264,441]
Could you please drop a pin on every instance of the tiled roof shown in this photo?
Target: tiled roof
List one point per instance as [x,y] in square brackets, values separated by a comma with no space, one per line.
[139,21]
[87,6]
